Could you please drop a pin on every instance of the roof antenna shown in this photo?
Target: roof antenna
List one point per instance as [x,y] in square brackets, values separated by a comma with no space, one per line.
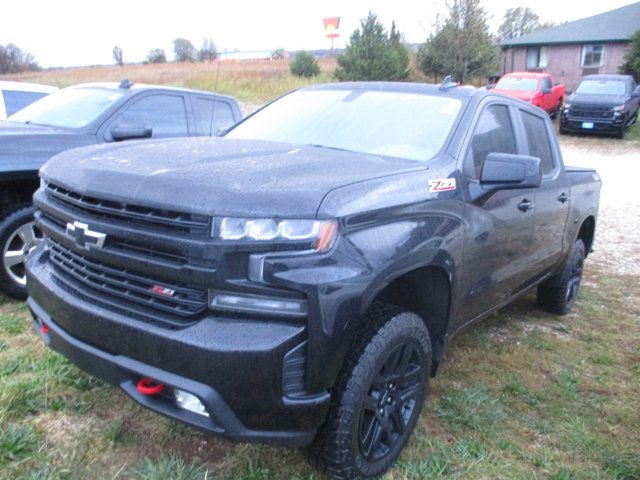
[125,83]
[447,83]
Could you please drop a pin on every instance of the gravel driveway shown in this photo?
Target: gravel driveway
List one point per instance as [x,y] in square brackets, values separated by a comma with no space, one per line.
[617,246]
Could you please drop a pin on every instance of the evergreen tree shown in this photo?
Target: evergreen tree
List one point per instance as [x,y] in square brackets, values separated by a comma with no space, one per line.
[372,55]
[631,65]
[462,45]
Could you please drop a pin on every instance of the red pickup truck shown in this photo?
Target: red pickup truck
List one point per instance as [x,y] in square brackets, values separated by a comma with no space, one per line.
[538,89]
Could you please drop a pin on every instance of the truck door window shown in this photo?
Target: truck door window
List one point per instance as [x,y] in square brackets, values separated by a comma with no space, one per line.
[210,120]
[165,114]
[493,133]
[538,141]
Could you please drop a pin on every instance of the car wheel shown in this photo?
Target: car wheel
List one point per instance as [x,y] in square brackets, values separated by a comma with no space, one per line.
[621,132]
[556,113]
[558,294]
[562,130]
[378,397]
[18,237]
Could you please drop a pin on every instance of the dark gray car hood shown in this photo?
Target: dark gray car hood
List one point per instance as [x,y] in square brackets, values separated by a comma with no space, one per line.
[599,100]
[217,175]
[26,147]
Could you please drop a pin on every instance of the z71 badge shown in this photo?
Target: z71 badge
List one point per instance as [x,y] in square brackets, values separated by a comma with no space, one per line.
[442,185]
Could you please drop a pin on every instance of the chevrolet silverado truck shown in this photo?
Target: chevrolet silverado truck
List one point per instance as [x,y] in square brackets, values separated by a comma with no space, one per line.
[602,104]
[537,89]
[297,281]
[84,115]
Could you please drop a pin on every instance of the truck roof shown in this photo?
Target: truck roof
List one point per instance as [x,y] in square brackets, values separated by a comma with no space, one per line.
[606,77]
[459,91]
[136,87]
[527,74]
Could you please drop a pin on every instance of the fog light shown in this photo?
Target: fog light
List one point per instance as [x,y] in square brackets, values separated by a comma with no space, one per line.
[249,303]
[190,402]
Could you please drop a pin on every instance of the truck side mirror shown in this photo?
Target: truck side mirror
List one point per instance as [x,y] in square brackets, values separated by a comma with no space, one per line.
[636,92]
[504,171]
[130,131]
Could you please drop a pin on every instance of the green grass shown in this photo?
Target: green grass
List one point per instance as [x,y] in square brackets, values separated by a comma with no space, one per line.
[523,395]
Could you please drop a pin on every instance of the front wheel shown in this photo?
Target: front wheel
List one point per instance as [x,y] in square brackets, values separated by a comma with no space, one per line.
[378,397]
[558,294]
[18,237]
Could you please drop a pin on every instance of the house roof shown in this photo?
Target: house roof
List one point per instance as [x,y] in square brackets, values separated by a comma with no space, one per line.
[617,25]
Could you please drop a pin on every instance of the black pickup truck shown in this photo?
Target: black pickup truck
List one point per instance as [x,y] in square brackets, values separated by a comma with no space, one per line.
[82,115]
[602,104]
[297,282]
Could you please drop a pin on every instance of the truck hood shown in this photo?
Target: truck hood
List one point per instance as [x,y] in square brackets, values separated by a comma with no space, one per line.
[519,94]
[217,176]
[25,147]
[599,100]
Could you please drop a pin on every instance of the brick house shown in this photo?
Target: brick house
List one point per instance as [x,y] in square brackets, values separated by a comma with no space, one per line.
[591,45]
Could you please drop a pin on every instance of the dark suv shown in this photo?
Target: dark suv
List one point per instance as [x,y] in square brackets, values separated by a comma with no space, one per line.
[602,104]
[85,115]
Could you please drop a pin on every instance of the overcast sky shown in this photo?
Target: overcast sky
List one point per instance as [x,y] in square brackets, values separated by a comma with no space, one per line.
[68,32]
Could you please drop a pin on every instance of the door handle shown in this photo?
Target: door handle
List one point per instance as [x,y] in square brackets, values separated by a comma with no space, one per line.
[525,205]
[563,197]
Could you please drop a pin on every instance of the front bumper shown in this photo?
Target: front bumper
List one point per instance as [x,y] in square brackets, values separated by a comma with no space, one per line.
[591,125]
[234,366]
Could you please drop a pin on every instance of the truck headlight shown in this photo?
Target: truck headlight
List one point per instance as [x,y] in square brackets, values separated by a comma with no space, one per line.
[319,234]
[618,109]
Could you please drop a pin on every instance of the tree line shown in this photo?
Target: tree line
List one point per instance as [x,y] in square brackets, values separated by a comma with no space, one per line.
[14,60]
[183,51]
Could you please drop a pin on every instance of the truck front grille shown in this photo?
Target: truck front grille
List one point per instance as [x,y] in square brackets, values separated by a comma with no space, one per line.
[167,220]
[591,111]
[133,292]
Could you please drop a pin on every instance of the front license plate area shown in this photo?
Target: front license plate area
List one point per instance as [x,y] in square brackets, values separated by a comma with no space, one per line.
[587,125]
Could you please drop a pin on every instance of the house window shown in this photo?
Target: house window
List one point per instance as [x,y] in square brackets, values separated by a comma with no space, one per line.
[592,55]
[536,57]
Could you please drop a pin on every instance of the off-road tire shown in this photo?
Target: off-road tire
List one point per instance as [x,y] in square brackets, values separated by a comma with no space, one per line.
[558,294]
[13,218]
[390,334]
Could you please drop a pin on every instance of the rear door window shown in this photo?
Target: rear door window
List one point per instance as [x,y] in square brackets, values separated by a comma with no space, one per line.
[493,133]
[538,140]
[165,114]
[15,100]
[212,116]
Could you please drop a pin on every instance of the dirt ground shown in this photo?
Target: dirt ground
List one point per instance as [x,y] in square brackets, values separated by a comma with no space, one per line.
[617,246]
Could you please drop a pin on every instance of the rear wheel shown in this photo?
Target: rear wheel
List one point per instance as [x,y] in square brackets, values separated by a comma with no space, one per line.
[18,237]
[558,294]
[378,397]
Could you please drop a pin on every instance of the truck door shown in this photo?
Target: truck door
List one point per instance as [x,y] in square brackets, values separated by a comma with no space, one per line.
[497,245]
[548,101]
[552,198]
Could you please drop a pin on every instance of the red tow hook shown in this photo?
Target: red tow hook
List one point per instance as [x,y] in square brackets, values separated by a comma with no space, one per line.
[147,386]
[44,329]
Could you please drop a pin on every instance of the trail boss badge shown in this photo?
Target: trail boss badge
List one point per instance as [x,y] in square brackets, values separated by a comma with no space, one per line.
[442,185]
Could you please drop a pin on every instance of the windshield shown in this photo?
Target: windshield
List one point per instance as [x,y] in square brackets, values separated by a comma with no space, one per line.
[397,124]
[71,107]
[604,87]
[518,83]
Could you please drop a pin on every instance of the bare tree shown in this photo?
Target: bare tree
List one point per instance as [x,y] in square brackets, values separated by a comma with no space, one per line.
[183,50]
[118,55]
[156,55]
[207,51]
[520,21]
[13,59]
